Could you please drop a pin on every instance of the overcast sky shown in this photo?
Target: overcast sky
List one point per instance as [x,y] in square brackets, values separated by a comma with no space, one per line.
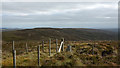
[59,15]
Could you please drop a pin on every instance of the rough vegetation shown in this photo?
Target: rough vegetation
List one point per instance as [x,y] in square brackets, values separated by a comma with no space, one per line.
[105,54]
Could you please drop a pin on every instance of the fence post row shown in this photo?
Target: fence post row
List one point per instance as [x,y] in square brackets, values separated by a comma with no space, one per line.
[38,55]
[61,48]
[14,58]
[49,47]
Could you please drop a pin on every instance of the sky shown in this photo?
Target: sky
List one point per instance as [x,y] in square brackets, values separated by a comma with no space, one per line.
[59,14]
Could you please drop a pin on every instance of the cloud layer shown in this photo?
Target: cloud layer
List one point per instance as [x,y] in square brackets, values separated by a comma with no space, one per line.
[59,15]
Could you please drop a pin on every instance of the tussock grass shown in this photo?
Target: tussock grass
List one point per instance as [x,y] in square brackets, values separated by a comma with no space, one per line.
[105,53]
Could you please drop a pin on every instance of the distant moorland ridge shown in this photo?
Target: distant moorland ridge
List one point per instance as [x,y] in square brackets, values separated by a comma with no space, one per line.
[73,34]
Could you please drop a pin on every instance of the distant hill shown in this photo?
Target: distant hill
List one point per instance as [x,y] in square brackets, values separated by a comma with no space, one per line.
[111,29]
[9,29]
[73,34]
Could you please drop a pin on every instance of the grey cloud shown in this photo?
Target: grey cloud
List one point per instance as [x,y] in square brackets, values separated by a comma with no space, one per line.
[65,15]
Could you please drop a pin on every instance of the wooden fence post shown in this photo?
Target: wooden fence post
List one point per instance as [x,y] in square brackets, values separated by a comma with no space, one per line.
[49,47]
[13,46]
[38,55]
[43,46]
[14,58]
[56,45]
[26,48]
[69,48]
[63,45]
[60,46]
[92,49]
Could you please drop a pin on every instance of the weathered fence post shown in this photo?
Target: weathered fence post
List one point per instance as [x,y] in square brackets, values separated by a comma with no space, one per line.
[69,48]
[38,55]
[63,45]
[60,46]
[56,45]
[49,47]
[13,46]
[26,48]
[14,58]
[92,49]
[43,46]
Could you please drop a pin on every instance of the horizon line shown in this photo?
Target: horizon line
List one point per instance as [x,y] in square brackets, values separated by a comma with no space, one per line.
[54,27]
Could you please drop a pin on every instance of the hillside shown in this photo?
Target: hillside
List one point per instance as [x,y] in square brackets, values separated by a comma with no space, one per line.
[101,52]
[75,34]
